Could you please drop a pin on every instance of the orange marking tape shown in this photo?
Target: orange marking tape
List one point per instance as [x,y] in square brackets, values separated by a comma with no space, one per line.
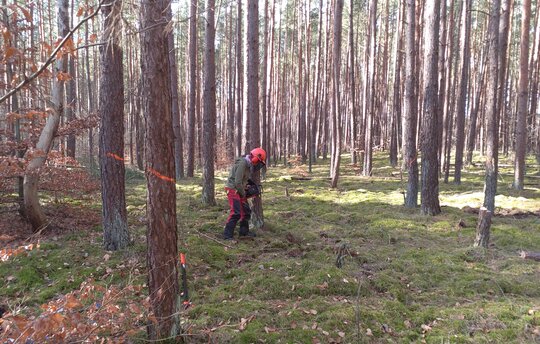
[182,259]
[160,176]
[115,156]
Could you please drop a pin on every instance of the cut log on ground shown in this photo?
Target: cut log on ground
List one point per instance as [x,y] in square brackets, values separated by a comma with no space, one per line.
[531,255]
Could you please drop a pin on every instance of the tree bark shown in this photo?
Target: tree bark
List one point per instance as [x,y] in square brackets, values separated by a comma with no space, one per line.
[209,113]
[352,87]
[175,107]
[430,131]
[336,100]
[410,106]
[111,134]
[71,105]
[491,123]
[38,157]
[160,171]
[523,98]
[252,100]
[463,84]
[396,100]
[191,122]
[371,85]
[483,228]
[239,82]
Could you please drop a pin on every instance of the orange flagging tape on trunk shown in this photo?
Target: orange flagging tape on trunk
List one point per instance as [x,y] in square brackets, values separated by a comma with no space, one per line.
[182,259]
[115,156]
[161,176]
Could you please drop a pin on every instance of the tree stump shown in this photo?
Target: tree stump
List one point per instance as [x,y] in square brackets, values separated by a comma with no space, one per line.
[483,228]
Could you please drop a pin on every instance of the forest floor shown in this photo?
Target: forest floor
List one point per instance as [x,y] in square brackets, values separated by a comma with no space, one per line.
[403,278]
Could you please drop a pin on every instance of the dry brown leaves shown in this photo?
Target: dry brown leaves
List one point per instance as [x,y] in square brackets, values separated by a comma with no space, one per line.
[82,316]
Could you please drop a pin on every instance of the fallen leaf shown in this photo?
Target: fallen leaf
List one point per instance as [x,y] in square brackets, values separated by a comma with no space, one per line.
[106,257]
[345,280]
[341,334]
[10,278]
[369,333]
[408,324]
[326,333]
[425,328]
[314,326]
[269,329]
[323,286]
[244,322]
[312,311]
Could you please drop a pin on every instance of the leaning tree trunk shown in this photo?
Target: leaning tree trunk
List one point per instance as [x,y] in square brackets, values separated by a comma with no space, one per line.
[111,134]
[410,105]
[160,171]
[34,212]
[430,131]
[523,97]
[209,111]
[492,125]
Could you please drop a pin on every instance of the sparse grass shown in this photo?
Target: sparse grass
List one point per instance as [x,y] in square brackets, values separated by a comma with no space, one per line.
[407,277]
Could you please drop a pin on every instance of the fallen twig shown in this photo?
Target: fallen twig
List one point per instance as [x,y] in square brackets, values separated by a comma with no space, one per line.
[214,239]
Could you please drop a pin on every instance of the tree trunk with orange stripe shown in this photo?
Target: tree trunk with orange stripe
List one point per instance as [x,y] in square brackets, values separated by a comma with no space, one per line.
[163,286]
[111,134]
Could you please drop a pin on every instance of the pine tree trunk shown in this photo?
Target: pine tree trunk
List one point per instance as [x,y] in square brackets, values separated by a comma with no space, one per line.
[521,125]
[71,105]
[239,82]
[430,131]
[229,134]
[90,96]
[160,171]
[410,106]
[111,135]
[175,107]
[191,122]
[371,84]
[483,228]
[490,186]
[396,99]
[336,102]
[463,84]
[316,109]
[264,81]
[209,111]
[252,100]
[352,87]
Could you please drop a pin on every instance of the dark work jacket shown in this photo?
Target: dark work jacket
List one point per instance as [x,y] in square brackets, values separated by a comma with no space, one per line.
[239,175]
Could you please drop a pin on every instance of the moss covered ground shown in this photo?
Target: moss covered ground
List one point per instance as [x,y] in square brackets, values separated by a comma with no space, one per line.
[404,277]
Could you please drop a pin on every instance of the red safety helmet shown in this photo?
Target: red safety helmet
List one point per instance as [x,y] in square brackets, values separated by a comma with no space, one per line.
[258,155]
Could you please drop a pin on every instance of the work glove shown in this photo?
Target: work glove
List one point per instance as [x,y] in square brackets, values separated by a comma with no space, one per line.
[252,189]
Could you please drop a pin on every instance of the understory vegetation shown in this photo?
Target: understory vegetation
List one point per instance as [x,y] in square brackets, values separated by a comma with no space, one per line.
[345,265]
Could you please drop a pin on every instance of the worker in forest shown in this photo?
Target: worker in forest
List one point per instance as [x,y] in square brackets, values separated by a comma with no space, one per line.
[240,187]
